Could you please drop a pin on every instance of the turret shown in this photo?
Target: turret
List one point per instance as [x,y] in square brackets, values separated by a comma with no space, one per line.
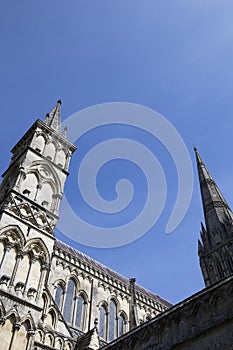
[33,184]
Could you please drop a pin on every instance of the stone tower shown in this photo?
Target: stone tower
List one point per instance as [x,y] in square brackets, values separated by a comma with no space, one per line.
[215,248]
[50,293]
[32,186]
[30,194]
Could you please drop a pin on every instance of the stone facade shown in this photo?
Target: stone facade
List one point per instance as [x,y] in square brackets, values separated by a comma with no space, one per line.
[202,322]
[51,294]
[55,297]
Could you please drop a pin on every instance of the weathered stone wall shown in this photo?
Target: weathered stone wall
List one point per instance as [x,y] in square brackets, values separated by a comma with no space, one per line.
[202,322]
[99,285]
[26,308]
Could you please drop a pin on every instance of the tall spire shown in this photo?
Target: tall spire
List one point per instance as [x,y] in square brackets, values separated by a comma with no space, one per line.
[218,215]
[53,119]
[215,247]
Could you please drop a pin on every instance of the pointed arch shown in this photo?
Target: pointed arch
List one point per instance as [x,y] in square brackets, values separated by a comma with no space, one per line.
[39,141]
[112,319]
[42,165]
[32,170]
[14,235]
[61,157]
[37,247]
[21,336]
[13,314]
[43,134]
[68,346]
[6,331]
[28,318]
[45,301]
[75,279]
[51,319]
[29,183]
[59,343]
[83,293]
[59,291]
[122,322]
[81,309]
[103,307]
[60,282]
[70,294]
[50,150]
[49,339]
[39,337]
[113,297]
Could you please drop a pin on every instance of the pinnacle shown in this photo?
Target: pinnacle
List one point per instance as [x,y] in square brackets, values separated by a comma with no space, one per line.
[53,119]
[215,207]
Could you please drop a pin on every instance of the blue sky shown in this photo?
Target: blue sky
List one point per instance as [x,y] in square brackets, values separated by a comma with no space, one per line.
[175,57]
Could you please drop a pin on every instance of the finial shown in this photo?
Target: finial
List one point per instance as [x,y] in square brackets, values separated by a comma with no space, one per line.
[195,148]
[65,132]
[53,119]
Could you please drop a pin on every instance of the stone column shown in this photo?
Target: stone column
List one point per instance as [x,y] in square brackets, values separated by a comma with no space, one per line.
[107,324]
[38,187]
[15,329]
[44,270]
[21,176]
[6,250]
[19,256]
[93,311]
[89,312]
[55,203]
[30,342]
[68,157]
[29,270]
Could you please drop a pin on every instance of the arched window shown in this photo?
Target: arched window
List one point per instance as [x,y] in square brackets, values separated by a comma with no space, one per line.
[80,312]
[58,296]
[61,158]
[112,320]
[39,143]
[121,325]
[45,195]
[29,185]
[102,322]
[50,151]
[68,307]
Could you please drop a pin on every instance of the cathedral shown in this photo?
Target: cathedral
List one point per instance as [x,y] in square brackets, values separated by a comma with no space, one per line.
[55,297]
